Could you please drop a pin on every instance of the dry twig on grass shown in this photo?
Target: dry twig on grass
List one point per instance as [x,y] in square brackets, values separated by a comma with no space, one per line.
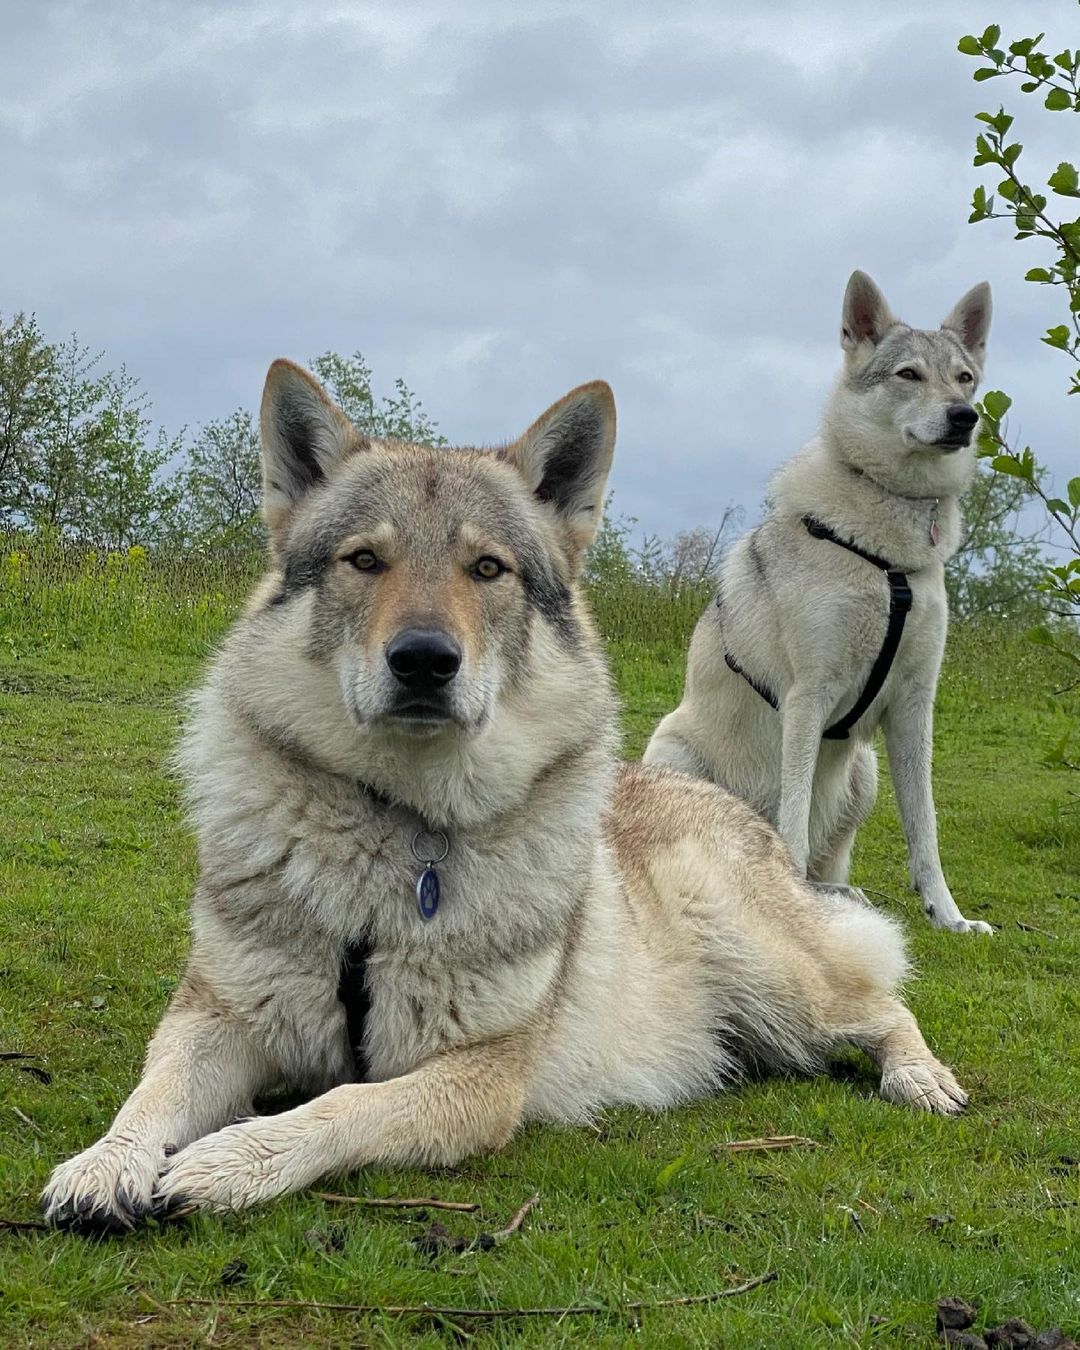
[432,1310]
[395,1202]
[768,1144]
[23,1226]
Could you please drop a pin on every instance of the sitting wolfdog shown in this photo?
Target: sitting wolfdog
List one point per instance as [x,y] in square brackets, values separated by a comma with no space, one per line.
[428,893]
[830,617]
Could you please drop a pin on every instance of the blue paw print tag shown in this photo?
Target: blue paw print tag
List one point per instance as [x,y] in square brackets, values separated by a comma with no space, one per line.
[429,847]
[427,893]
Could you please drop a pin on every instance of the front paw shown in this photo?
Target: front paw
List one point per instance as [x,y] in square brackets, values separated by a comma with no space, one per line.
[954,922]
[235,1168]
[105,1190]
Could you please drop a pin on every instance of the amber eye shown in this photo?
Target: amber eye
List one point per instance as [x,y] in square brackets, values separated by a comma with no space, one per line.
[487,569]
[965,377]
[364,560]
[908,374]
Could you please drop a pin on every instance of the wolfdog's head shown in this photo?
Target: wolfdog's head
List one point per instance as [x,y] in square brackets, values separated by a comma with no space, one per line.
[902,409]
[423,600]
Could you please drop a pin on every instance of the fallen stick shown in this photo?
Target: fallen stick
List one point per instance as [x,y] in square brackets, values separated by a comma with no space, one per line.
[22,1226]
[768,1143]
[518,1219]
[1030,928]
[431,1310]
[395,1202]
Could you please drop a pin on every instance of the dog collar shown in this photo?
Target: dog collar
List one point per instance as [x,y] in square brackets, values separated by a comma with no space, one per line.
[430,847]
[934,531]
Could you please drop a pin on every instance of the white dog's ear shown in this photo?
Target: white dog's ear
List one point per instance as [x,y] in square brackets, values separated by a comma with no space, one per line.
[565,457]
[866,315]
[303,437]
[969,319]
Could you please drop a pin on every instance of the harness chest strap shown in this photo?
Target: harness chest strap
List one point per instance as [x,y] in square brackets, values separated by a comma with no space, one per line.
[353,989]
[900,598]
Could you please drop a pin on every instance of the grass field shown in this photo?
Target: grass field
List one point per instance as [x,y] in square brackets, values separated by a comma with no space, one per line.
[864,1230]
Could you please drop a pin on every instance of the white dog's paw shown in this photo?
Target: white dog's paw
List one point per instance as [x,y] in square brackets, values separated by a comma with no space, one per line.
[925,1084]
[242,1165]
[962,925]
[104,1190]
[950,918]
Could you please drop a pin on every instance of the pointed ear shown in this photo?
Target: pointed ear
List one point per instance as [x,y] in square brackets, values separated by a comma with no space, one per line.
[969,319]
[565,457]
[303,437]
[866,315]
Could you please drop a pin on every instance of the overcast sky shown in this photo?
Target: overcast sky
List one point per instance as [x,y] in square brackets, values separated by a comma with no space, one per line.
[498,201]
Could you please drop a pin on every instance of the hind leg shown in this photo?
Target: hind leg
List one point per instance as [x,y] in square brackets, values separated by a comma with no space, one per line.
[862,962]
[910,1072]
[668,750]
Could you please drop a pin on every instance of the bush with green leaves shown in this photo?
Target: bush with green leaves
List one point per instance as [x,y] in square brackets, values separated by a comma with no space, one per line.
[1055,80]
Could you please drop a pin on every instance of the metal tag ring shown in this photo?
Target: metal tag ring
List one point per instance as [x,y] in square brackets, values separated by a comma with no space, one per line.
[425,855]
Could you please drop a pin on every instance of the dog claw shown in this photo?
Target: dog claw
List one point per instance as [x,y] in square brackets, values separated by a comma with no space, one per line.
[90,1217]
[172,1208]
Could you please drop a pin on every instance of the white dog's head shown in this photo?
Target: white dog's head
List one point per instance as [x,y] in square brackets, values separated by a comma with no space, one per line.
[902,409]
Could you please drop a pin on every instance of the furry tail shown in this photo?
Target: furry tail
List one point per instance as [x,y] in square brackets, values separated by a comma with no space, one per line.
[870,942]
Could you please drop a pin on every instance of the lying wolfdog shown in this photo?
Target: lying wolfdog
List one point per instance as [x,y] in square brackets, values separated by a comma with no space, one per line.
[830,617]
[429,895]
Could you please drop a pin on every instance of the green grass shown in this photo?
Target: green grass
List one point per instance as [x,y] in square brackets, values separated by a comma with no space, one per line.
[95,870]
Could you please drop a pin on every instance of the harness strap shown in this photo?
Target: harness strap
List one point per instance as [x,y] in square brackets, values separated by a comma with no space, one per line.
[355,995]
[900,601]
[766,693]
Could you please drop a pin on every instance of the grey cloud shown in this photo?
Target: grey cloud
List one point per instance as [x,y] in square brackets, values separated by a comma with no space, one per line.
[498,203]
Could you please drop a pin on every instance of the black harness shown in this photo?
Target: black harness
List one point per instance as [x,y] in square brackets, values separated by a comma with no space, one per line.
[356,997]
[353,988]
[899,607]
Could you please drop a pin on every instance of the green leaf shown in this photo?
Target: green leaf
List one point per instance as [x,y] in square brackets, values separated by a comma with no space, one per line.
[671,1170]
[991,35]
[1074,492]
[1064,60]
[996,403]
[1008,464]
[1057,100]
[969,45]
[1064,180]
[1056,504]
[1057,337]
[1038,274]
[1008,189]
[987,73]
[1011,153]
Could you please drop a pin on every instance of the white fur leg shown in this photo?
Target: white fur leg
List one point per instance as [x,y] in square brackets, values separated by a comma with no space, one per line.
[910,1074]
[200,1070]
[245,1164]
[456,1103]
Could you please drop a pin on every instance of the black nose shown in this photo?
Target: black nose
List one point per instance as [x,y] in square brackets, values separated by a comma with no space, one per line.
[423,659]
[962,416]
